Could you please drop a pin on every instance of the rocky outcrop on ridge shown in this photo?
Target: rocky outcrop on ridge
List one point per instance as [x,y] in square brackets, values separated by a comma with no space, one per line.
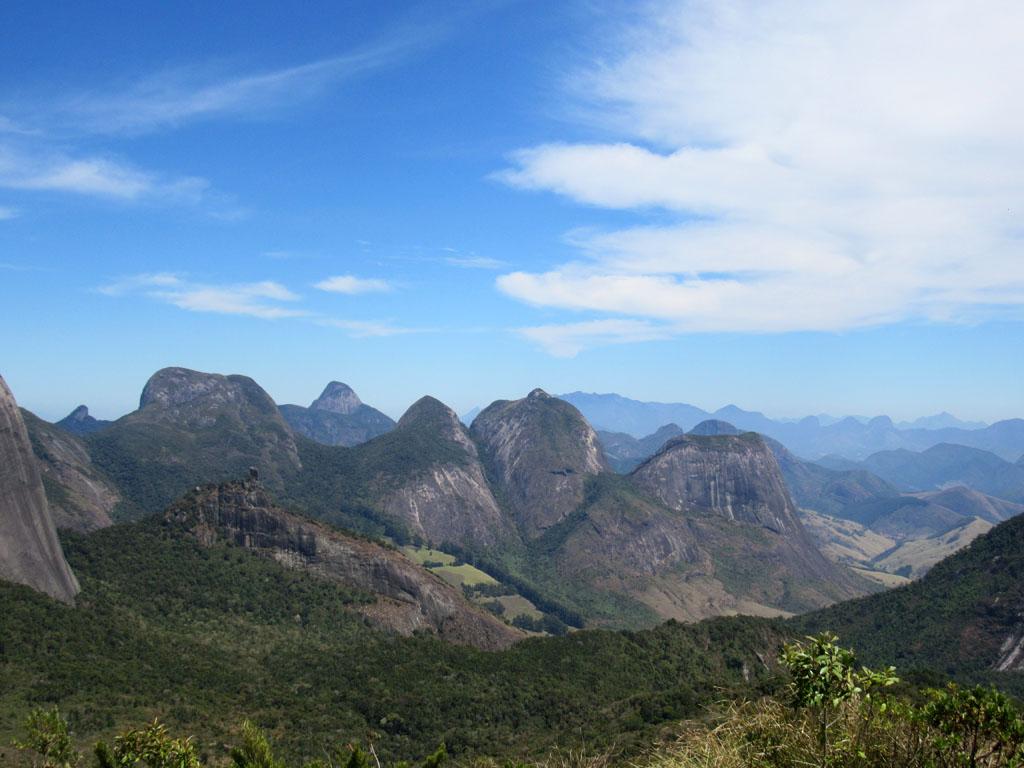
[408,597]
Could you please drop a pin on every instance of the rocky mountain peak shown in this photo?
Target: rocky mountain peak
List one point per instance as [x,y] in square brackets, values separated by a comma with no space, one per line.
[540,450]
[337,398]
[81,413]
[30,552]
[196,397]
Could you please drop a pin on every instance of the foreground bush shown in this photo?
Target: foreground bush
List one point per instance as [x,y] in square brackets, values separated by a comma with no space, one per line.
[840,715]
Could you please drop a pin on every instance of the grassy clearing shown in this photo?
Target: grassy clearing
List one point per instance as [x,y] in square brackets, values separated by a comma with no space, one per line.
[517,605]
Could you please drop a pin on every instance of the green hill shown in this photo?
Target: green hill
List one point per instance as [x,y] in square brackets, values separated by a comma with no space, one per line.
[204,637]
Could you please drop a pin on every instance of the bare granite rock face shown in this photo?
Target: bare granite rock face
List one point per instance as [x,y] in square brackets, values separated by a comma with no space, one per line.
[448,500]
[408,597]
[30,552]
[81,497]
[735,476]
[539,450]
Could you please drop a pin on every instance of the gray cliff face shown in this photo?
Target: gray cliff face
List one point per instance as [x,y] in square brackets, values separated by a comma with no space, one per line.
[540,451]
[30,552]
[408,597]
[449,500]
[81,497]
[736,477]
[337,398]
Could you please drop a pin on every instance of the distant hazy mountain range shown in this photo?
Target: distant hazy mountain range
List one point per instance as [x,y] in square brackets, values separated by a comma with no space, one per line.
[811,437]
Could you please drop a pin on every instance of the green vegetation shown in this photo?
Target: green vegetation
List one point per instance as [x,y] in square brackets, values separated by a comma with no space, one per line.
[833,713]
[839,715]
[204,638]
[950,624]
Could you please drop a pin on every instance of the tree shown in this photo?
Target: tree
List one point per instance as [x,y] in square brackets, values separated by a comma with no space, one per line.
[151,747]
[824,676]
[48,737]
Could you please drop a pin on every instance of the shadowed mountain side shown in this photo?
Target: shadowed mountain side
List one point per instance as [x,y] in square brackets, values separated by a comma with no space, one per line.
[81,497]
[409,597]
[30,552]
[79,422]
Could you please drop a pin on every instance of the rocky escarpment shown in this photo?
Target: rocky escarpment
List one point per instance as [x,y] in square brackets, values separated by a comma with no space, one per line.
[539,451]
[408,597]
[447,498]
[737,478]
[337,417]
[30,552]
[81,497]
[79,422]
[191,428]
[734,476]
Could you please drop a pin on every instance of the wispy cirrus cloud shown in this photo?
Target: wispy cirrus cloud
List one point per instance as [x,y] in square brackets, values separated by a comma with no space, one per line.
[266,299]
[93,176]
[827,166]
[174,97]
[38,133]
[351,285]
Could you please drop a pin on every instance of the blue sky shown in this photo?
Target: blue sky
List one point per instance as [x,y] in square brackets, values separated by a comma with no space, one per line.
[790,208]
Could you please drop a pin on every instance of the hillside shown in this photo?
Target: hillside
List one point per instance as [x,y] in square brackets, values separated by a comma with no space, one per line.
[963,618]
[407,598]
[165,625]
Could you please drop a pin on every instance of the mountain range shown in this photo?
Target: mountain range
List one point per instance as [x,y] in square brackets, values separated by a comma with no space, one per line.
[810,437]
[526,495]
[263,561]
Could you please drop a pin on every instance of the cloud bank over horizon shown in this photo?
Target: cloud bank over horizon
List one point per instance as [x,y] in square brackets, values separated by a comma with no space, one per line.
[806,167]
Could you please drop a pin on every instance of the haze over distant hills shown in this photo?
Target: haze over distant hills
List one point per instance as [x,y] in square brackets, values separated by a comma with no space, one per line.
[809,437]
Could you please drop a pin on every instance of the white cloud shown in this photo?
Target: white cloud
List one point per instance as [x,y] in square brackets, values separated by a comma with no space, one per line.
[567,340]
[262,299]
[6,214]
[98,177]
[828,166]
[351,284]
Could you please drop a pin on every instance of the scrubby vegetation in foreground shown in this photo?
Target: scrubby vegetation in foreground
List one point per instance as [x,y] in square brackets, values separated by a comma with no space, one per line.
[833,714]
